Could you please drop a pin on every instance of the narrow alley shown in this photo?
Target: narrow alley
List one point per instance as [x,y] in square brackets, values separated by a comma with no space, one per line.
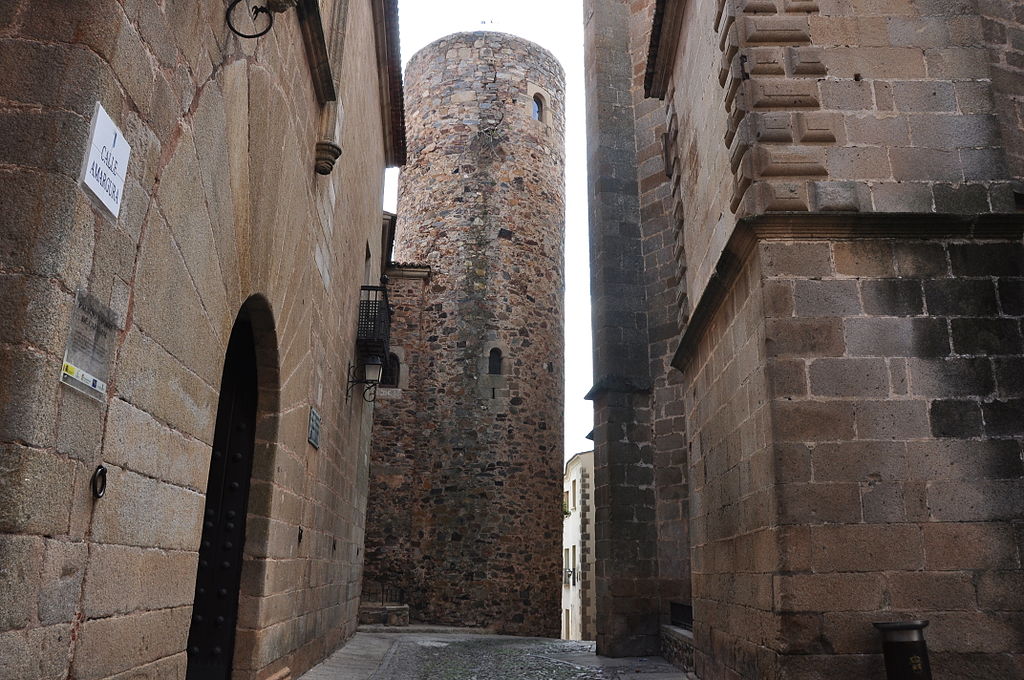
[439,655]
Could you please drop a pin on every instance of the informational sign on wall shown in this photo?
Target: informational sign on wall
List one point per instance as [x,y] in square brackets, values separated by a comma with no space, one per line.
[90,347]
[106,161]
[314,428]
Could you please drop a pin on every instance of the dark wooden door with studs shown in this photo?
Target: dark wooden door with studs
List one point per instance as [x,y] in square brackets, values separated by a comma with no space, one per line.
[211,637]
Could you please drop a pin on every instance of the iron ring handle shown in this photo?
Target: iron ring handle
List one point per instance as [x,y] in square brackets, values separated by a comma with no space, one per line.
[99,481]
[256,11]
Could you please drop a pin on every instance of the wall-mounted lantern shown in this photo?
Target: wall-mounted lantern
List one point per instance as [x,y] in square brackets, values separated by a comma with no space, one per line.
[372,370]
[373,335]
[266,11]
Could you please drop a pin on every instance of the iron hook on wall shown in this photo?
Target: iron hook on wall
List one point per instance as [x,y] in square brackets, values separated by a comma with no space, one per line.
[272,7]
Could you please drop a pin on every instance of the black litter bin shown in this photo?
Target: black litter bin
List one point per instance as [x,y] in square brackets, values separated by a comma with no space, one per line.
[906,653]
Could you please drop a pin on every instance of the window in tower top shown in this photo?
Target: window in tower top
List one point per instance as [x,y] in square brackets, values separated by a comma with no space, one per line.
[538,107]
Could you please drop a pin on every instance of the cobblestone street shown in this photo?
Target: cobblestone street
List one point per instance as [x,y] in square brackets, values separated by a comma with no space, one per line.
[446,656]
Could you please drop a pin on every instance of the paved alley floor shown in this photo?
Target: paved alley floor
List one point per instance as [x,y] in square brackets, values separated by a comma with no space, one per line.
[456,656]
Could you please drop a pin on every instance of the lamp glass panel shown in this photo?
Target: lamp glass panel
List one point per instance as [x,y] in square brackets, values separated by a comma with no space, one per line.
[372,370]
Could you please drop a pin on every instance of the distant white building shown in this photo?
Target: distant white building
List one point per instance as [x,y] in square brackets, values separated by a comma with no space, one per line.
[578,608]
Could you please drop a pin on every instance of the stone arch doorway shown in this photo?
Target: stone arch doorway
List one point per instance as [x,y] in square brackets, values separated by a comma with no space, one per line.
[249,365]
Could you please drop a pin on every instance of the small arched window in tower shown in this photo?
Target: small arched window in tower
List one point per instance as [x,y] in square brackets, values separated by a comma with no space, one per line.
[392,371]
[538,107]
[494,362]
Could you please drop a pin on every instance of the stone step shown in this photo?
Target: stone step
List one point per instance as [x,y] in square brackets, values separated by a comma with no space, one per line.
[387,614]
[423,628]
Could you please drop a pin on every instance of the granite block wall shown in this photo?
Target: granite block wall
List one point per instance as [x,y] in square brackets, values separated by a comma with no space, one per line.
[731,505]
[853,457]
[221,209]
[789,134]
[667,309]
[627,588]
[834,106]
[896,441]
[1002,28]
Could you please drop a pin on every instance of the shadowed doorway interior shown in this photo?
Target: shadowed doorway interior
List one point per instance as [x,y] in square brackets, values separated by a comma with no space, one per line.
[211,637]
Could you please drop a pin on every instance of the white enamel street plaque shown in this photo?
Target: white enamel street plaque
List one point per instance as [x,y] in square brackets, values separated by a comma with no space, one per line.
[106,161]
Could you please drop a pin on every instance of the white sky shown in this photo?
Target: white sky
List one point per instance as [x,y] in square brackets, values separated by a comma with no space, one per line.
[556,25]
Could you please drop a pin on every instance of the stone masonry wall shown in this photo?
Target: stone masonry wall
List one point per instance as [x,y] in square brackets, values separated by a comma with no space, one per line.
[481,202]
[398,462]
[222,208]
[828,105]
[626,549]
[731,509]
[855,455]
[667,309]
[897,428]
[819,109]
[1003,31]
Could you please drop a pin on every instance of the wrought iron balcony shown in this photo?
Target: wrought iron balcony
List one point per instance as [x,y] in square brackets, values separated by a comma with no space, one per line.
[374,334]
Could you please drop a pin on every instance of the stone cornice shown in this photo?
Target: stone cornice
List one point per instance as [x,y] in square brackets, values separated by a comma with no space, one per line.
[311,24]
[825,226]
[407,270]
[389,75]
[661,52]
[616,383]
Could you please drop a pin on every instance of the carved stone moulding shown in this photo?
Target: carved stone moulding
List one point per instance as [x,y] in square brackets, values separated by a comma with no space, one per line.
[327,153]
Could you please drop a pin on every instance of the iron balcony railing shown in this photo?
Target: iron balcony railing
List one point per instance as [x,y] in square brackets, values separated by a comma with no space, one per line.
[385,593]
[374,334]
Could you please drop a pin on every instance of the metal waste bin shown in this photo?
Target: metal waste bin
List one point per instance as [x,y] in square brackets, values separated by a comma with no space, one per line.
[906,653]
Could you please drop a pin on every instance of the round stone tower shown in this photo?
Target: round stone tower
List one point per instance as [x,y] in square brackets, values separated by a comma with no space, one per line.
[482,202]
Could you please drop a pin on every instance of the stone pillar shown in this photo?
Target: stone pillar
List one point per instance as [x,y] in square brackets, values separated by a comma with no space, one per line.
[626,547]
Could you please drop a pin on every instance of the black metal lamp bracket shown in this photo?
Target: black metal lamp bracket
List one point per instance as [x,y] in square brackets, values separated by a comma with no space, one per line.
[369,388]
[256,12]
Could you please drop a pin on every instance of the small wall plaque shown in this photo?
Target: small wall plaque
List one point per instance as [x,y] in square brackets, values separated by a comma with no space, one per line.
[106,161]
[314,428]
[90,346]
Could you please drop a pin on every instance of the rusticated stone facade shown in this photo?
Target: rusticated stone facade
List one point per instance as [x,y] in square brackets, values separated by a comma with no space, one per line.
[466,489]
[829,193]
[224,224]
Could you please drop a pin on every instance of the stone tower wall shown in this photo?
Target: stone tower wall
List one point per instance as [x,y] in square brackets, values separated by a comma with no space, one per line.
[482,203]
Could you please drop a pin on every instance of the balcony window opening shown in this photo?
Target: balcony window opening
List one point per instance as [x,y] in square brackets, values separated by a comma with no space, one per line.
[494,362]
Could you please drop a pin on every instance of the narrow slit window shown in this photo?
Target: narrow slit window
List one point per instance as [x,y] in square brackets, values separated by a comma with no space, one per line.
[538,107]
[494,362]
[392,371]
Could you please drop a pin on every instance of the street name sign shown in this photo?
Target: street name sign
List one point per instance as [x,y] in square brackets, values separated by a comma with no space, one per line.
[106,161]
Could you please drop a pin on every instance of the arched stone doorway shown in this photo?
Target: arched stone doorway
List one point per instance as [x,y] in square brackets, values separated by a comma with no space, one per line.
[247,383]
